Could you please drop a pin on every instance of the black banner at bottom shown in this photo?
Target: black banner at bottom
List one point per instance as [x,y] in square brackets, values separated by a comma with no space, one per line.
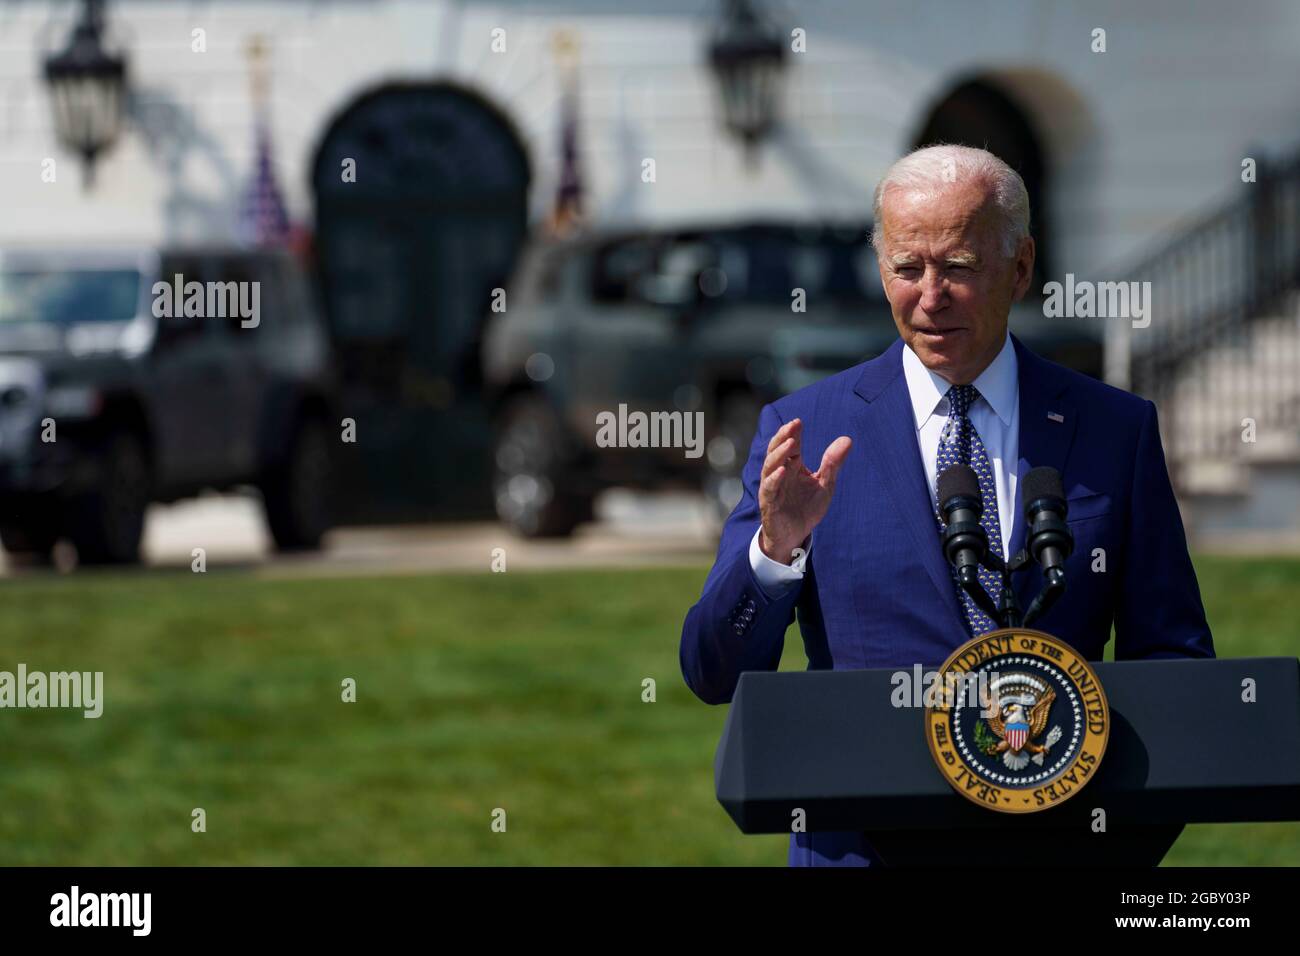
[334,906]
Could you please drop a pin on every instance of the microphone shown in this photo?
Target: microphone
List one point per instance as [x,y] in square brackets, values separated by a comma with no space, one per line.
[1049,540]
[965,542]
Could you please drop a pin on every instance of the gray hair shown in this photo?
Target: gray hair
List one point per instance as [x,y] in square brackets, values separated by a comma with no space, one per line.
[931,167]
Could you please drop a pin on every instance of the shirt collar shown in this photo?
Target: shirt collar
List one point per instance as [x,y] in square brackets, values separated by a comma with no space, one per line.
[997,384]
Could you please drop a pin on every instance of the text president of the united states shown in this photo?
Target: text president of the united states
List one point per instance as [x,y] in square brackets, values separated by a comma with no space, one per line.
[838,524]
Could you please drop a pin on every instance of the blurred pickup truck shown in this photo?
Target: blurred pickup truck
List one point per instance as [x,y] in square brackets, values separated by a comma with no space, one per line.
[111,398]
[718,319]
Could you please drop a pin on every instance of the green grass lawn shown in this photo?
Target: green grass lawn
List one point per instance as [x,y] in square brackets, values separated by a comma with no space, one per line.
[519,691]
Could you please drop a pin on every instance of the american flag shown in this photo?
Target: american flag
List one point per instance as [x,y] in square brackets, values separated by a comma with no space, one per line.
[567,211]
[263,219]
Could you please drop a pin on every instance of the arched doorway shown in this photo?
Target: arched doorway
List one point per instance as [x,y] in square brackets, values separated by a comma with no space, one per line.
[421,209]
[978,113]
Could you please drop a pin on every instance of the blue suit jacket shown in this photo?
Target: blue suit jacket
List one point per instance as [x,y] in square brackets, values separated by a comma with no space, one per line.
[876,590]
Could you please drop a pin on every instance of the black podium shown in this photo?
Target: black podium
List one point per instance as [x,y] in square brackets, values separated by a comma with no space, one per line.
[1184,748]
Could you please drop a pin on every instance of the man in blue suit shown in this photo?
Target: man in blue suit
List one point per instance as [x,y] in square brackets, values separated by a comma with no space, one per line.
[852,550]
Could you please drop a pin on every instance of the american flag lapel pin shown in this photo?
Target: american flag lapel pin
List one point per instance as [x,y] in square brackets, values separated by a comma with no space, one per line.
[1055,417]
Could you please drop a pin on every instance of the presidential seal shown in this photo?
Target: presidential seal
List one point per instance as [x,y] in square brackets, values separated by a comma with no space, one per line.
[1023,724]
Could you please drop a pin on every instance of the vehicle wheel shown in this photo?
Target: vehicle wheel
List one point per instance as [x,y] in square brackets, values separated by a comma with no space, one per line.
[29,541]
[532,480]
[728,450]
[297,495]
[108,521]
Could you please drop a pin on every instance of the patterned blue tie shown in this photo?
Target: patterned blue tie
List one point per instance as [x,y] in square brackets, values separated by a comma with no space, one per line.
[960,444]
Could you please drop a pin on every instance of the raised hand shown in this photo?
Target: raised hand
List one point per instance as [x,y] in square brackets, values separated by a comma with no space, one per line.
[792,499]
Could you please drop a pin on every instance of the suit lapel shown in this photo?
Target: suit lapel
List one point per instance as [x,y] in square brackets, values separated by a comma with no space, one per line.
[1043,440]
[884,424]
[886,428]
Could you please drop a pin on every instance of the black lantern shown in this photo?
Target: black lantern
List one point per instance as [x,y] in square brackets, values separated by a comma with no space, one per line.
[747,58]
[87,90]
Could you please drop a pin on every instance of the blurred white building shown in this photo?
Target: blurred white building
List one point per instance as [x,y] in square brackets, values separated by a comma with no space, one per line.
[1133,139]
[1128,120]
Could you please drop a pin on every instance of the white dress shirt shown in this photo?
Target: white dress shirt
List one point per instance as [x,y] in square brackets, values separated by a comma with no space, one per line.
[995,416]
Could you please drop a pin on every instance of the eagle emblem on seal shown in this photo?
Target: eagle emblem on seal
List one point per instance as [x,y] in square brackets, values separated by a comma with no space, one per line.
[1016,707]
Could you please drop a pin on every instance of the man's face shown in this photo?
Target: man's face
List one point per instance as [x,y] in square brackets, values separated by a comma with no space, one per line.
[949,285]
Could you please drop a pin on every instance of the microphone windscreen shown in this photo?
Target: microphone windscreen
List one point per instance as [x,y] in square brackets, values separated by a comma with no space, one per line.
[958,480]
[1042,482]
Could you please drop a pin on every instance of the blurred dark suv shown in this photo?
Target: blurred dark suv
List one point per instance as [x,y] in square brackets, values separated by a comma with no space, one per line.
[144,407]
[719,320]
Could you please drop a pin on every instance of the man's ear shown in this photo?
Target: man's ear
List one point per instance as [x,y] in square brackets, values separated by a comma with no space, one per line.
[1025,253]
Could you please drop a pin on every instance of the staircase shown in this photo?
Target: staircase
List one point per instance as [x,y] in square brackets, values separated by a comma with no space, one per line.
[1222,352]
